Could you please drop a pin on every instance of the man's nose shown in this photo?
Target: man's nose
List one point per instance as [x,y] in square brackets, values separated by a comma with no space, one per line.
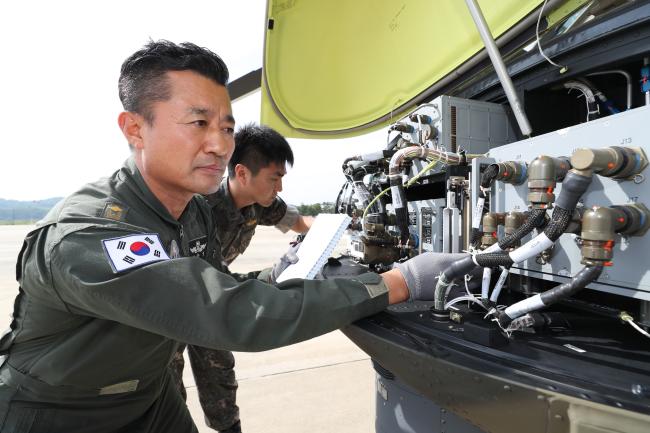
[220,144]
[279,186]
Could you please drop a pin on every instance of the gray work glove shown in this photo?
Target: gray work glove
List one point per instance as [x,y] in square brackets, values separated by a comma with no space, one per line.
[288,258]
[422,271]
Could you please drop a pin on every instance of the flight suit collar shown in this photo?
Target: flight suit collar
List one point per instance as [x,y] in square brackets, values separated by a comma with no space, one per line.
[132,178]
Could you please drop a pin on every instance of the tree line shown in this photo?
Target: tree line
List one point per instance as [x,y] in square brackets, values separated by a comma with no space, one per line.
[315,209]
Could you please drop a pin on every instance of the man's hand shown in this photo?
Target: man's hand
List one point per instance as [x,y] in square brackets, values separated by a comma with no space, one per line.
[416,278]
[288,258]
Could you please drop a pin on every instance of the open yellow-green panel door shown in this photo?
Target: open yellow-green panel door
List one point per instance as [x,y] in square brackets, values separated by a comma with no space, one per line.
[340,67]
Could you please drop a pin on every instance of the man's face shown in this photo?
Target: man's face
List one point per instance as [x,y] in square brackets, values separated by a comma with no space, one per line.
[266,184]
[188,145]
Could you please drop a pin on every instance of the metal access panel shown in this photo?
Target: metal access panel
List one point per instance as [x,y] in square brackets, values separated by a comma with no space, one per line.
[462,124]
[630,273]
[474,126]
[427,220]
[401,409]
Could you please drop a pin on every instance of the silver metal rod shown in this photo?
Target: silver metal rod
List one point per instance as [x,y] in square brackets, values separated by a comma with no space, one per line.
[499,66]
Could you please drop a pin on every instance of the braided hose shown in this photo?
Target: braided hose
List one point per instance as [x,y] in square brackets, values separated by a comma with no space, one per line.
[587,275]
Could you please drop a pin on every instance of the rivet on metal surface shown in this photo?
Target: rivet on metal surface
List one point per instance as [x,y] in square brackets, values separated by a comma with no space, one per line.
[557,416]
[506,387]
[541,397]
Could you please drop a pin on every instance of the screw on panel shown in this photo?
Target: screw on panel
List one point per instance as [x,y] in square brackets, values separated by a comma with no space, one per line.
[640,390]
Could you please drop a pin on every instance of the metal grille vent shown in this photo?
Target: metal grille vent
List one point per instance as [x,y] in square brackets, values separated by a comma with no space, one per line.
[453,129]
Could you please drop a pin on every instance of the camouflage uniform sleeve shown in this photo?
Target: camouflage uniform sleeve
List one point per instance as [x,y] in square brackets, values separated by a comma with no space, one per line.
[270,216]
[289,219]
[188,300]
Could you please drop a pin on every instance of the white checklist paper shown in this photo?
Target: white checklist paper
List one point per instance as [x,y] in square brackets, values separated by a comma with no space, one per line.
[319,243]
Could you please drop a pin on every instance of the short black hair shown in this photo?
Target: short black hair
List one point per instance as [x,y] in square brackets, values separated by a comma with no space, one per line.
[257,146]
[142,77]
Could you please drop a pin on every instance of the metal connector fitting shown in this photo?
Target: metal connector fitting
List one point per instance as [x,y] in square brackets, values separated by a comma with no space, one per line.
[637,219]
[541,182]
[402,127]
[598,232]
[600,223]
[514,172]
[513,221]
[491,222]
[616,162]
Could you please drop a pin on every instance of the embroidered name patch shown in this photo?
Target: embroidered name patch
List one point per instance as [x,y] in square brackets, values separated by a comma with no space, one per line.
[198,246]
[134,250]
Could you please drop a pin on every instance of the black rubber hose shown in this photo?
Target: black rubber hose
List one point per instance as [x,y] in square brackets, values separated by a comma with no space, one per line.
[574,186]
[475,239]
[559,222]
[587,275]
[535,219]
[456,269]
[563,291]
[492,260]
[489,175]
[459,268]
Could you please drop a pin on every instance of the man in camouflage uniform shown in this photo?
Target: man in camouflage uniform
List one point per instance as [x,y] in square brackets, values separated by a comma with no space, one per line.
[246,198]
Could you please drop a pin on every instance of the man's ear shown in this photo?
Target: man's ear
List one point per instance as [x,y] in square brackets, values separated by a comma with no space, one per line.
[242,174]
[131,125]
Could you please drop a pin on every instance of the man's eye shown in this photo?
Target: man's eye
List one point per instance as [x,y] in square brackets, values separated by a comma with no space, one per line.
[229,131]
[200,123]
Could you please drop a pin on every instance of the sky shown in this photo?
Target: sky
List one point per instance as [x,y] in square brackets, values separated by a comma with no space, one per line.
[58,90]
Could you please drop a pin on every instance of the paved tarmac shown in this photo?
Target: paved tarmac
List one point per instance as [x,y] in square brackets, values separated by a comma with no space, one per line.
[323,385]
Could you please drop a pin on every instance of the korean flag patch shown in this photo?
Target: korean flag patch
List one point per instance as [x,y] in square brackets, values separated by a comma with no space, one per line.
[135,250]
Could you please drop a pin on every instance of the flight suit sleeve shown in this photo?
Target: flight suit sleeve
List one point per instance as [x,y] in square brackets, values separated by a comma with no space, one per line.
[189,300]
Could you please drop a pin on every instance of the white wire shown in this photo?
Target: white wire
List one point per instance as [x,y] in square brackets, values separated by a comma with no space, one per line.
[629,320]
[470,298]
[539,45]
[586,99]
[467,278]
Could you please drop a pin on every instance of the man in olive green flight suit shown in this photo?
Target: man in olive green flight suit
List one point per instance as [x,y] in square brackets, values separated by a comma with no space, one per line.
[246,198]
[121,271]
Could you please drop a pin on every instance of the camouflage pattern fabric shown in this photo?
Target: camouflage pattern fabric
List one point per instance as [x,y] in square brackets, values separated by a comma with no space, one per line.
[236,227]
[213,369]
[214,375]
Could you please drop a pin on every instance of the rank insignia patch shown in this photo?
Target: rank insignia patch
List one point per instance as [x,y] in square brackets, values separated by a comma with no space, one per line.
[114,211]
[135,250]
[198,246]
